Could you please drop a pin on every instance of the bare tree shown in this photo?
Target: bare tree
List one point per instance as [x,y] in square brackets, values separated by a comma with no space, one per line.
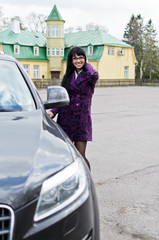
[69,30]
[4,22]
[88,27]
[79,28]
[21,23]
[93,26]
[36,22]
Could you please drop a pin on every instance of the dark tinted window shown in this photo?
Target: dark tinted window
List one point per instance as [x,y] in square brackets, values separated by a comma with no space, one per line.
[14,92]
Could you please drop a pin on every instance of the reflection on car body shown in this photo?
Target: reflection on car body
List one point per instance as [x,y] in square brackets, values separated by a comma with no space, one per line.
[46,190]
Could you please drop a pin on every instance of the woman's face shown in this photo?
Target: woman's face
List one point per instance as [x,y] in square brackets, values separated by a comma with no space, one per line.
[78,62]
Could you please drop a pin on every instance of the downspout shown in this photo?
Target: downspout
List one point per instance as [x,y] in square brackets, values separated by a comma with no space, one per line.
[97,65]
[97,70]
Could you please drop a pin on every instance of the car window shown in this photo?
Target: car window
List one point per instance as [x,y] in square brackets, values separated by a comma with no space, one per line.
[14,92]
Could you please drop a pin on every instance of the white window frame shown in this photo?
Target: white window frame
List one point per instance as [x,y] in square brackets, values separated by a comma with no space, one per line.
[26,68]
[48,51]
[126,72]
[55,31]
[16,49]
[62,51]
[36,51]
[123,51]
[36,72]
[90,50]
[111,50]
[55,51]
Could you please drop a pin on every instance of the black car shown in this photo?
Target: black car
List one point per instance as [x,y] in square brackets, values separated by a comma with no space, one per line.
[46,190]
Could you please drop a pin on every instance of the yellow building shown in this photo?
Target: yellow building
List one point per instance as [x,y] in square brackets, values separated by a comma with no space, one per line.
[44,56]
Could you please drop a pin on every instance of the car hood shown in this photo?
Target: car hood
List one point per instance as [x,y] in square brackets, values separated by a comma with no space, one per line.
[31,149]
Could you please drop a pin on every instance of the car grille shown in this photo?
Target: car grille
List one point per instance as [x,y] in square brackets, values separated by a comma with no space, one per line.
[6,222]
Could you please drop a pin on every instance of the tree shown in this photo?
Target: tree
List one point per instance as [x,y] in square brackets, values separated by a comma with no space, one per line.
[4,22]
[134,35]
[79,28]
[36,22]
[69,30]
[150,50]
[88,27]
[21,23]
[93,26]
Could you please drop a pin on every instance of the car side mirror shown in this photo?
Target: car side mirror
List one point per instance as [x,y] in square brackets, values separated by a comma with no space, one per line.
[57,96]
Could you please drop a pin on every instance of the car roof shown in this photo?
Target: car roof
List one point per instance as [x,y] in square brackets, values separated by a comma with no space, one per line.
[6,57]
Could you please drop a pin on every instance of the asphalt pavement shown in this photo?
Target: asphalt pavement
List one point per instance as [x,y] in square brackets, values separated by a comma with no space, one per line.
[124,157]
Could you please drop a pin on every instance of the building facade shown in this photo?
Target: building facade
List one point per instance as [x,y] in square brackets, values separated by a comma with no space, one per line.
[44,56]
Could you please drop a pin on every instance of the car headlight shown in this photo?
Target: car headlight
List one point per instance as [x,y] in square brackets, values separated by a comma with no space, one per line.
[62,189]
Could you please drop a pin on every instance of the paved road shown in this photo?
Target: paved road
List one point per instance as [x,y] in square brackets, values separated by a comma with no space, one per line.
[124,156]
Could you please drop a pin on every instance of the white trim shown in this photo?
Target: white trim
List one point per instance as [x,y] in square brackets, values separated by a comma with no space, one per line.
[55,52]
[36,71]
[126,72]
[26,68]
[62,51]
[111,50]
[16,49]
[90,51]
[55,31]
[36,51]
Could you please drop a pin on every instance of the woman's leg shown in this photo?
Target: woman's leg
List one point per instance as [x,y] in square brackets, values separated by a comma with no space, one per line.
[81,147]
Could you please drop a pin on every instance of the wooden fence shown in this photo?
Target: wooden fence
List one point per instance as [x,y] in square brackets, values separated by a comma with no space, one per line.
[44,83]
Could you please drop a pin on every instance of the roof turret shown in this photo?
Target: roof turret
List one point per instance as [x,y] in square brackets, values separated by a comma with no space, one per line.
[55,15]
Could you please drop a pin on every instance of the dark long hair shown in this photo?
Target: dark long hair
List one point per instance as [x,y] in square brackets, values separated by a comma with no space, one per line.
[70,67]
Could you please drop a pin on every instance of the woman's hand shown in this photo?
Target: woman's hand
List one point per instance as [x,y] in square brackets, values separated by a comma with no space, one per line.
[51,114]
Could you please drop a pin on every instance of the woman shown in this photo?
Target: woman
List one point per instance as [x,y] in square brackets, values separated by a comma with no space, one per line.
[75,118]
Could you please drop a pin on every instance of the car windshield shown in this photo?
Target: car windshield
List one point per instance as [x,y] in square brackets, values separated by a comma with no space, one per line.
[14,92]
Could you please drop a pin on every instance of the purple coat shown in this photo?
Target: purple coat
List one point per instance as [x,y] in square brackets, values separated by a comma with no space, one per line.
[75,117]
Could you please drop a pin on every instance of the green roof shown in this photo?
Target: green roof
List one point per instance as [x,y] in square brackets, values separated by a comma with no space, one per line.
[26,53]
[94,38]
[25,38]
[55,15]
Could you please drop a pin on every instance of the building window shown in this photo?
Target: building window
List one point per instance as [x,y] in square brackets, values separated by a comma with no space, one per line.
[62,32]
[62,52]
[52,51]
[121,52]
[126,72]
[48,51]
[36,71]
[90,50]
[36,51]
[55,52]
[26,67]
[16,49]
[111,50]
[55,31]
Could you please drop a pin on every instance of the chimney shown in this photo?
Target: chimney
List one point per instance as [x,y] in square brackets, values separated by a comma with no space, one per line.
[15,25]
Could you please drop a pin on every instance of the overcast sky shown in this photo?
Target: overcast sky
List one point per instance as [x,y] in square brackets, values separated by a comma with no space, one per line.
[113,14]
